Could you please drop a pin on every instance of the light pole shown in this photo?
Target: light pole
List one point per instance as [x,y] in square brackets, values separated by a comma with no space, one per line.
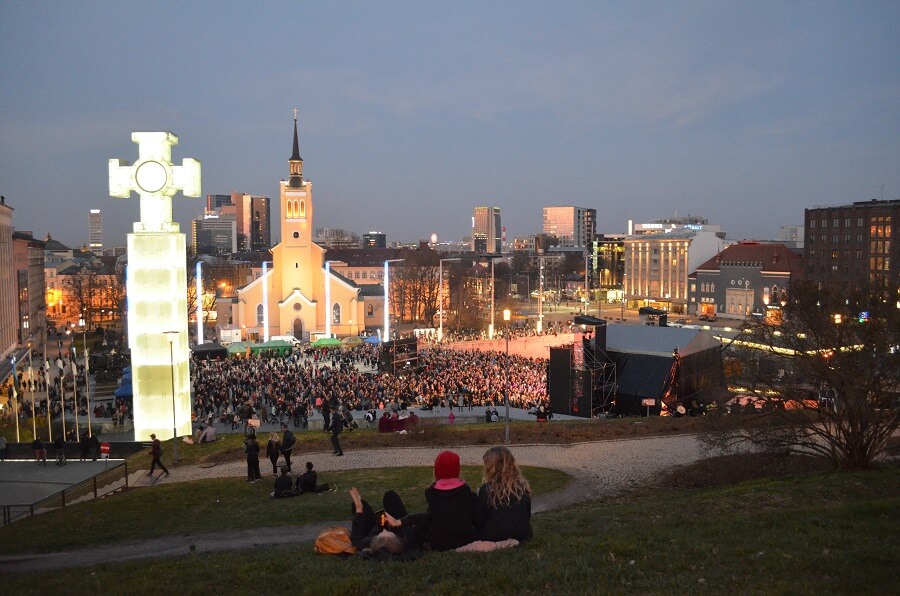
[540,321]
[328,314]
[491,329]
[87,371]
[265,292]
[441,297]
[198,278]
[172,336]
[506,317]
[15,396]
[387,290]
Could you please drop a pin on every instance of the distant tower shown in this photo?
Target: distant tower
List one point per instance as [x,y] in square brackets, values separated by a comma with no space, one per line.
[486,230]
[95,231]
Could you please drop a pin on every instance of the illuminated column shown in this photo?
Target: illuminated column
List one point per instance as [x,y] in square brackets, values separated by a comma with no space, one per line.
[265,293]
[157,284]
[198,278]
[327,298]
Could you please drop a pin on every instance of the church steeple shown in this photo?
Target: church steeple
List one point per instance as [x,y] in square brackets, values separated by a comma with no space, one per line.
[295,163]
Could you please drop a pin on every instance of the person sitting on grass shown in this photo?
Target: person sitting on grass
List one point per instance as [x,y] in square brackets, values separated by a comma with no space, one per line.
[449,520]
[503,506]
[283,485]
[306,482]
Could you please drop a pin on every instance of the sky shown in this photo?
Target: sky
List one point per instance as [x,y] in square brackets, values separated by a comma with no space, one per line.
[413,113]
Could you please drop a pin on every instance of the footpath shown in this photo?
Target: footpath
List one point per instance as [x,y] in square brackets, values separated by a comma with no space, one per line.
[598,469]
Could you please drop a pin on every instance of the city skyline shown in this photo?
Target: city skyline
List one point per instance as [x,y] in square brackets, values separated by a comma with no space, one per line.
[412,115]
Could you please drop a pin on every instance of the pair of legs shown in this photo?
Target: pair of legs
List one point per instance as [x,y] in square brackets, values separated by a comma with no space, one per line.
[336,443]
[157,462]
[253,469]
[364,523]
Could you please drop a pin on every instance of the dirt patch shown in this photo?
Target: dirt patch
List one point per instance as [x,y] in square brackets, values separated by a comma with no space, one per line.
[732,469]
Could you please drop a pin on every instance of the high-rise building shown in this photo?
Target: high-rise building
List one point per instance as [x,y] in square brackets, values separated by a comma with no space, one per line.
[374,240]
[252,218]
[852,243]
[214,234]
[572,226]
[486,230]
[9,321]
[95,231]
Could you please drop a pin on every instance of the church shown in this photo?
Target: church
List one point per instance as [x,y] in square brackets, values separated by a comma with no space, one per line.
[298,289]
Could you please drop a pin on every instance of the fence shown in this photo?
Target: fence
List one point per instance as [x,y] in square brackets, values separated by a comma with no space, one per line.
[101,484]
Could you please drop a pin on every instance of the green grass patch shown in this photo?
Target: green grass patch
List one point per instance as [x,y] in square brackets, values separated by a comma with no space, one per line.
[223,504]
[830,532]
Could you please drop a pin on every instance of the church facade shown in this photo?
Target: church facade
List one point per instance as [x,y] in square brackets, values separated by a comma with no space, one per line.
[296,294]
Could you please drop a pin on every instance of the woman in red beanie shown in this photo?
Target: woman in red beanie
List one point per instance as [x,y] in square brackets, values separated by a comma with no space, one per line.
[450,520]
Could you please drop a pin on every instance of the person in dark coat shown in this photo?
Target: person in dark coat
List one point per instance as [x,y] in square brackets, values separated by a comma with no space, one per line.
[156,453]
[283,484]
[337,425]
[251,448]
[307,482]
[287,445]
[503,506]
[449,521]
[273,451]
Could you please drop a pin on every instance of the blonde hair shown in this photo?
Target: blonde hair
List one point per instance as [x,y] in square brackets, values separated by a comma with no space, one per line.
[503,477]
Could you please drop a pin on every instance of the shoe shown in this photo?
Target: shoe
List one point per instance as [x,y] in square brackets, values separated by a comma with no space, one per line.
[339,454]
[167,474]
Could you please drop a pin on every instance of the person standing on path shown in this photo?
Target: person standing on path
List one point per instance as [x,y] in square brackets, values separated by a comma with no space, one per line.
[287,445]
[156,454]
[337,425]
[251,448]
[273,450]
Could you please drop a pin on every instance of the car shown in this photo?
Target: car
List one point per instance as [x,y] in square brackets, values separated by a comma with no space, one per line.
[706,317]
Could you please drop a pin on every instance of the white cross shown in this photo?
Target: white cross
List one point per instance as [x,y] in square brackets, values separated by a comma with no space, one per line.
[155,179]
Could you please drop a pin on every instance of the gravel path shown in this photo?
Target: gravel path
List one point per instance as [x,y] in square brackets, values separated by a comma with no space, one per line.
[598,469]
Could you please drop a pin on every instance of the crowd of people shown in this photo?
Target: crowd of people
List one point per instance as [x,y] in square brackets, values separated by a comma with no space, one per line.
[289,389]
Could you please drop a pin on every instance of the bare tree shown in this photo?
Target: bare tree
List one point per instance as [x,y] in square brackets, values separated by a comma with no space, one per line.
[825,378]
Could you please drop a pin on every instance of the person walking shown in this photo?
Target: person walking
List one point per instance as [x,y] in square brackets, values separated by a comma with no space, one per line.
[156,454]
[337,425]
[287,445]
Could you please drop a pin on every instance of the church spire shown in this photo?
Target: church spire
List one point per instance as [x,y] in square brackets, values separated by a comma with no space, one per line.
[296,162]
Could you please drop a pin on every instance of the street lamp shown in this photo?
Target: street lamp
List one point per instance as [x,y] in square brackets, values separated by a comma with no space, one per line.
[441,297]
[387,287]
[506,317]
[265,292]
[172,336]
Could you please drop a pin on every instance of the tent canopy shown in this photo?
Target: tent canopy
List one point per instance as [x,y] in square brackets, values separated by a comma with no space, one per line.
[372,339]
[326,342]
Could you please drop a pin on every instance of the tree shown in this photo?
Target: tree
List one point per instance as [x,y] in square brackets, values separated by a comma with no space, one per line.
[827,376]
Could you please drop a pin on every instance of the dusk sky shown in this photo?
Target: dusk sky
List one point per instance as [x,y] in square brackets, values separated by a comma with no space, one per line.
[413,113]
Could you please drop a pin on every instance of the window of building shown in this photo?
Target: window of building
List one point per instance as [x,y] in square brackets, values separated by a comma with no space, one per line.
[356,275]
[370,310]
[835,222]
[835,238]
[336,313]
[824,238]
[834,254]
[846,238]
[811,253]
[381,275]
[859,222]
[259,315]
[859,238]
[812,224]
[302,211]
[824,223]
[712,287]
[364,273]
[847,222]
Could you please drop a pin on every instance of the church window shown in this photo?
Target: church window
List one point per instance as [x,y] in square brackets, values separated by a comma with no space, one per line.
[370,310]
[296,235]
[296,265]
[364,273]
[302,211]
[259,314]
[336,313]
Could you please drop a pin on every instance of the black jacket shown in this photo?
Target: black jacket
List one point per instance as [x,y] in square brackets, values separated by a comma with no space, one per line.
[450,518]
[501,523]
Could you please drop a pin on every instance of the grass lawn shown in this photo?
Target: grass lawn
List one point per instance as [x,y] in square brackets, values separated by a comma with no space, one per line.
[221,504]
[826,532]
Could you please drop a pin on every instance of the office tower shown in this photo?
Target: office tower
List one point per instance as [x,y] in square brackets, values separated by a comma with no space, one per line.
[572,226]
[95,231]
[214,234]
[486,230]
[374,240]
[252,218]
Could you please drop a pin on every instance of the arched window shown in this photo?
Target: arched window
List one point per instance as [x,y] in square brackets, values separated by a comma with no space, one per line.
[259,314]
[370,310]
[302,212]
[296,208]
[336,313]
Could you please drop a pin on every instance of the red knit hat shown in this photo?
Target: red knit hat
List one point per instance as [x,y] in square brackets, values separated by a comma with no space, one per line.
[446,465]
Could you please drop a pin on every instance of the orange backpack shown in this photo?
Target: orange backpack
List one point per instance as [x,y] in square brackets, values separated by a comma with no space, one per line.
[335,541]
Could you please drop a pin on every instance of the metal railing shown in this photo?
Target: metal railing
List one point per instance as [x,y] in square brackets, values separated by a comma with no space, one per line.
[86,490]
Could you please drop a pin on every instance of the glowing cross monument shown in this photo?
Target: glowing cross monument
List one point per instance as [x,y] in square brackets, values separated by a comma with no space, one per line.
[156,285]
